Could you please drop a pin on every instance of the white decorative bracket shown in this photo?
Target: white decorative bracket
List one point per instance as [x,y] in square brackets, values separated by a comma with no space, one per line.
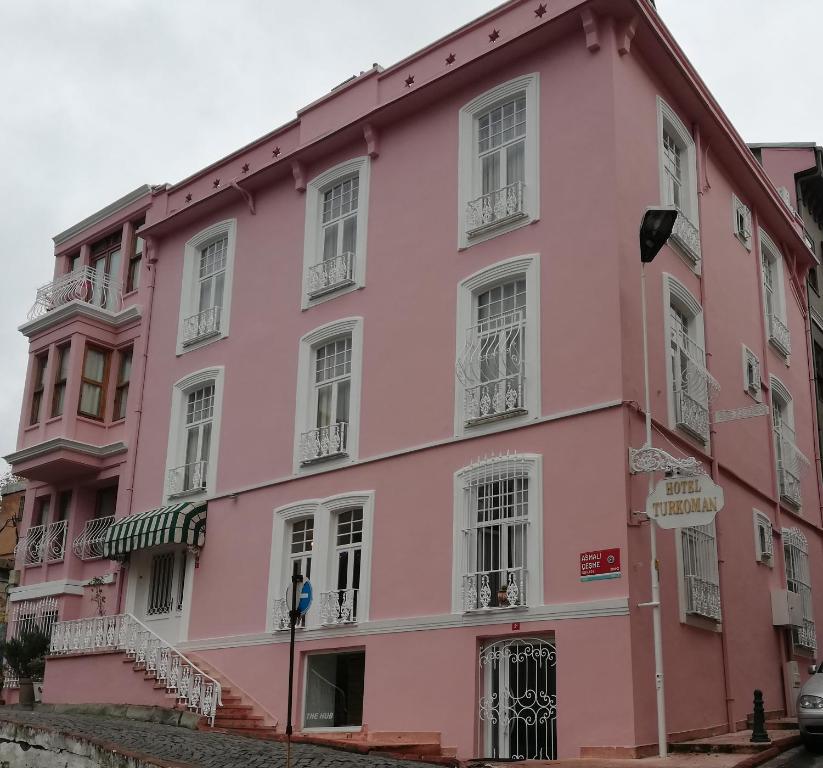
[648,459]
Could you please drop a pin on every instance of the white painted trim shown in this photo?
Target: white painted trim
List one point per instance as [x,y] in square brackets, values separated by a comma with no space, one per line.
[738,204]
[761,519]
[757,396]
[176,447]
[468,183]
[675,293]
[72,309]
[778,388]
[46,589]
[533,463]
[618,606]
[527,266]
[772,252]
[692,620]
[304,417]
[313,244]
[323,512]
[188,294]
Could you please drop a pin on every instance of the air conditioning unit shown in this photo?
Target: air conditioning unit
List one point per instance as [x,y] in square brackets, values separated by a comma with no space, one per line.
[787,608]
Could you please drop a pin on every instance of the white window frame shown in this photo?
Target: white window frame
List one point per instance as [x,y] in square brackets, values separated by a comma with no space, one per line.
[693,618]
[468,185]
[752,385]
[528,267]
[686,233]
[675,294]
[769,251]
[176,448]
[313,238]
[742,222]
[189,292]
[305,414]
[794,539]
[763,525]
[532,464]
[324,512]
[782,402]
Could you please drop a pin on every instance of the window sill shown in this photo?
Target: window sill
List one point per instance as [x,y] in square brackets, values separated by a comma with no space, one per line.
[692,433]
[322,459]
[499,227]
[99,421]
[494,417]
[781,349]
[53,419]
[802,650]
[699,621]
[497,224]
[312,295]
[203,337]
[495,609]
[201,341]
[183,494]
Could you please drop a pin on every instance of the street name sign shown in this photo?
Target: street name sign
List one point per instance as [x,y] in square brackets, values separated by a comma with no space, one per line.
[681,502]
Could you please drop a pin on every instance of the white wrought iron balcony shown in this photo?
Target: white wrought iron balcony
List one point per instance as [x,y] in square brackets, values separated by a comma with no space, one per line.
[331,274]
[806,636]
[280,616]
[789,460]
[687,236]
[89,544]
[44,543]
[492,400]
[338,606]
[83,284]
[494,589]
[691,415]
[201,326]
[323,443]
[495,208]
[190,478]
[192,687]
[779,334]
[703,598]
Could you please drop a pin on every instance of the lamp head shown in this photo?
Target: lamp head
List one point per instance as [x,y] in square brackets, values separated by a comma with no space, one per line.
[655,230]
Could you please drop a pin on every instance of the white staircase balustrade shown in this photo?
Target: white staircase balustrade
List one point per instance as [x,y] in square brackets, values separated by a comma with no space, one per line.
[123,632]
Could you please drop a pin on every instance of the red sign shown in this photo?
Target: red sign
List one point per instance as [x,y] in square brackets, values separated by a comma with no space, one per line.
[600,564]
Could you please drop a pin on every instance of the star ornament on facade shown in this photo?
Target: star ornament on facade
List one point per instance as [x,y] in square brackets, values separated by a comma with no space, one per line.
[216,183]
[494,35]
[540,11]
[450,59]
[409,81]
[188,197]
[275,152]
[245,168]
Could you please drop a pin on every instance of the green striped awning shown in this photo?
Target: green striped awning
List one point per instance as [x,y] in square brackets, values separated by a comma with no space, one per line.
[175,524]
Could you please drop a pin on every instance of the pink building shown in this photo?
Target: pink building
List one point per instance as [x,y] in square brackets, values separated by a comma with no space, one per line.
[395,346]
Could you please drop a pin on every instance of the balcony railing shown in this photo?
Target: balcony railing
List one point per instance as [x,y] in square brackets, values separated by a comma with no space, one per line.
[691,415]
[55,544]
[280,616]
[331,274]
[323,443]
[84,284]
[494,589]
[779,334]
[687,236]
[89,544]
[44,543]
[494,399]
[201,326]
[495,208]
[806,636]
[193,688]
[788,467]
[703,598]
[190,478]
[338,606]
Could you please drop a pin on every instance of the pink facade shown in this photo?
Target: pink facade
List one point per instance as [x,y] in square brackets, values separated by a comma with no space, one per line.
[400,339]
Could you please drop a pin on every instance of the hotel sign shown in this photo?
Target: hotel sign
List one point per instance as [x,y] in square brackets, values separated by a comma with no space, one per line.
[681,502]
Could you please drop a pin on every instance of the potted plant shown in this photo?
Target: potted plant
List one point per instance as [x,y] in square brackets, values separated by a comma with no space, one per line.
[26,657]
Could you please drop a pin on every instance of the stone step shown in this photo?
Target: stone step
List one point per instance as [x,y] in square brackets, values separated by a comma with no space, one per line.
[235,710]
[238,722]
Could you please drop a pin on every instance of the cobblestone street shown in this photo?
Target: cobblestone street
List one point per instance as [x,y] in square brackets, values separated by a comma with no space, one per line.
[166,743]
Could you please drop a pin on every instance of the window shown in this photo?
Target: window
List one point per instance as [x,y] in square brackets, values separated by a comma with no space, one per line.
[105,501]
[133,277]
[774,295]
[787,453]
[328,541]
[763,544]
[678,180]
[499,164]
[161,579]
[121,392]
[334,690]
[60,379]
[93,383]
[72,262]
[336,225]
[742,222]
[329,393]
[36,537]
[38,385]
[798,580]
[751,374]
[194,435]
[690,383]
[106,256]
[813,281]
[701,581]
[498,370]
[498,542]
[63,504]
[205,301]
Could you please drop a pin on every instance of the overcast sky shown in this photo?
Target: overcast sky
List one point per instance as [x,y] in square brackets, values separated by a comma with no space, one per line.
[100,96]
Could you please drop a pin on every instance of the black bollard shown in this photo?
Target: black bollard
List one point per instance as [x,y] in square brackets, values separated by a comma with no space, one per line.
[759,734]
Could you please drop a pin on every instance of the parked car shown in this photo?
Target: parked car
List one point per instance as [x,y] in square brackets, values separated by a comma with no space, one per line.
[810,708]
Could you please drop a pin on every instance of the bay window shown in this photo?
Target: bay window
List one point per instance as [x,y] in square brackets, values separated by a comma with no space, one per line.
[93,382]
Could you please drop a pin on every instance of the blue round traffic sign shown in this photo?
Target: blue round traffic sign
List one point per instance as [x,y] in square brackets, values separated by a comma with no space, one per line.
[305,597]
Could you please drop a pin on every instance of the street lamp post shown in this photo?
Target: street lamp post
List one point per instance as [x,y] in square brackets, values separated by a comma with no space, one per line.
[655,230]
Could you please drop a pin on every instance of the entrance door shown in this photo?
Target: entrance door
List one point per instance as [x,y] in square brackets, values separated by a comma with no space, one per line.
[158,594]
[518,703]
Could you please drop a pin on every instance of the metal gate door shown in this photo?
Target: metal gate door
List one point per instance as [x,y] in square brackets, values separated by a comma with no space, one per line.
[518,703]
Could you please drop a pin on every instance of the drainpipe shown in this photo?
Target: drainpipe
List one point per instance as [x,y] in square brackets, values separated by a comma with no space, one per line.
[702,175]
[151,261]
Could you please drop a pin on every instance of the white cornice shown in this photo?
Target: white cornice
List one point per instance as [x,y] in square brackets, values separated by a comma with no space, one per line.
[73,309]
[46,589]
[63,443]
